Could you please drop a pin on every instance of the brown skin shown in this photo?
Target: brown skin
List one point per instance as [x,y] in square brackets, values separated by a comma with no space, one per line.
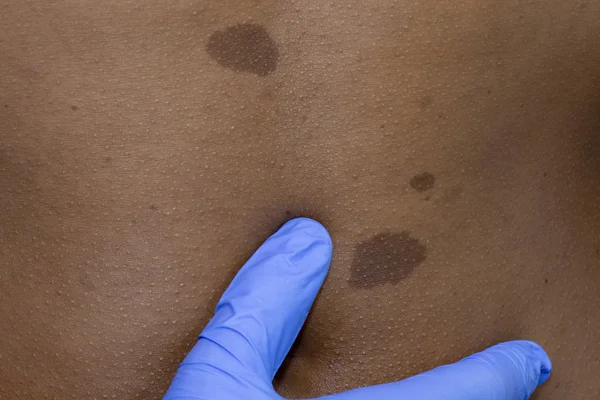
[452,150]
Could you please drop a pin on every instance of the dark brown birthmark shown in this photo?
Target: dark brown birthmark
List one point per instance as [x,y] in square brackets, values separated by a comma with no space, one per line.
[386,258]
[244,48]
[422,182]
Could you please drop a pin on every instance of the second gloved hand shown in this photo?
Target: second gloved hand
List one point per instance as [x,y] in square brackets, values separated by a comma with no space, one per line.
[264,308]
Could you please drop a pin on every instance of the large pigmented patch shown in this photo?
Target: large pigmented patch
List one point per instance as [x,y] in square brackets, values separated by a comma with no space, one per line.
[244,48]
[386,258]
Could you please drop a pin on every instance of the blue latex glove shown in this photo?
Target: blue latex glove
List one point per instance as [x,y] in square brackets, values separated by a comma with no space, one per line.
[262,311]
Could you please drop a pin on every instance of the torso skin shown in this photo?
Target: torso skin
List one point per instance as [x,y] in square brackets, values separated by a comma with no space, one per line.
[451,148]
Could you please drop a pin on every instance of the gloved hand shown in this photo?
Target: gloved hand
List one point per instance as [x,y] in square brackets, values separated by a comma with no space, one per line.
[262,311]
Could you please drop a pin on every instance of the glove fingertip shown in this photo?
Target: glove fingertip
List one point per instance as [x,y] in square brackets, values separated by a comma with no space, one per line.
[545,362]
[537,366]
[309,227]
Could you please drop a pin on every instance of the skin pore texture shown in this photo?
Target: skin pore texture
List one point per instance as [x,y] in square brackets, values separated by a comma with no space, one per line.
[452,149]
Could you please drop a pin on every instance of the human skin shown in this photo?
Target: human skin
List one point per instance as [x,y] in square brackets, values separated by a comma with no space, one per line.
[452,150]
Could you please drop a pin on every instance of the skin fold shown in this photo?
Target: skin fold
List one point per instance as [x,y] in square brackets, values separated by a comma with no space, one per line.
[452,150]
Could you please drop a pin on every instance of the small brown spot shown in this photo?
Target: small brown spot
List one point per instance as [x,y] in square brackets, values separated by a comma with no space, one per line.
[424,102]
[290,214]
[546,280]
[453,193]
[74,107]
[422,182]
[153,207]
[386,258]
[6,106]
[267,93]
[244,48]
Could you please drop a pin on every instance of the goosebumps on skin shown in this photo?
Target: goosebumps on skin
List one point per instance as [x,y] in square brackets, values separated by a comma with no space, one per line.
[450,148]
[263,309]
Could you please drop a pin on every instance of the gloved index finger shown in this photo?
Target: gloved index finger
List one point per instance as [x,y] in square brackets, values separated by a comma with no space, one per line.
[266,304]
[507,371]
